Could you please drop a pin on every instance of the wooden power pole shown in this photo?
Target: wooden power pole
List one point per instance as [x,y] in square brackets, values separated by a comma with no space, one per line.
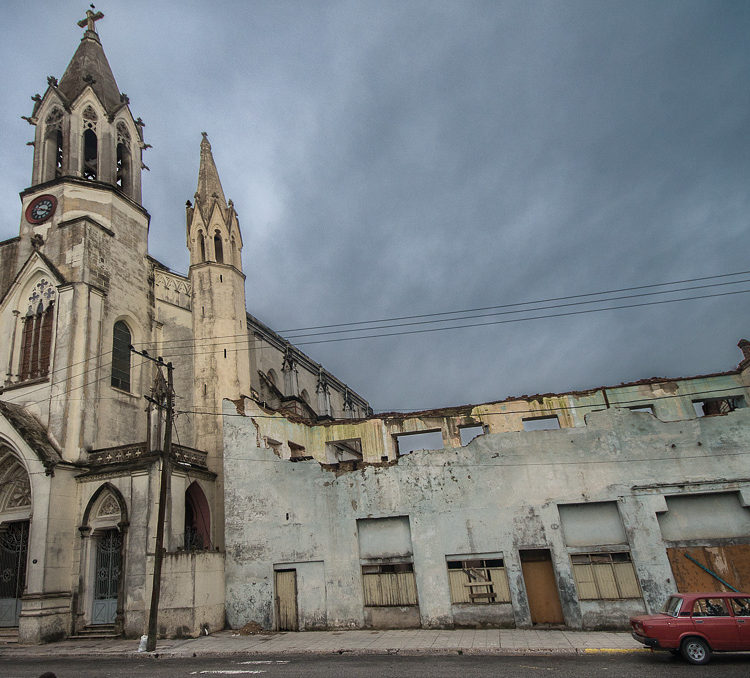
[166,460]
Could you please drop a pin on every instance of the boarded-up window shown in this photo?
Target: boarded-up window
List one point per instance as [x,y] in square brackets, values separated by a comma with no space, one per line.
[478,581]
[605,576]
[592,524]
[713,406]
[389,585]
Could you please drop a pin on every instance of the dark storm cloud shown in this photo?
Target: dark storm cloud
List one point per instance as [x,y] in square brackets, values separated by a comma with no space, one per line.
[394,158]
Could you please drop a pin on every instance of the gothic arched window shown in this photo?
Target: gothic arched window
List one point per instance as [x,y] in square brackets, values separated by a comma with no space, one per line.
[121,340]
[202,244]
[197,519]
[90,145]
[124,173]
[36,337]
[53,145]
[218,249]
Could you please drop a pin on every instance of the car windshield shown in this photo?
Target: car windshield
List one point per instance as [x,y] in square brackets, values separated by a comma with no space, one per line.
[672,606]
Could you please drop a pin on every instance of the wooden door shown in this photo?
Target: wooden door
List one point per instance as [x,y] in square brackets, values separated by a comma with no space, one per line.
[286,600]
[541,589]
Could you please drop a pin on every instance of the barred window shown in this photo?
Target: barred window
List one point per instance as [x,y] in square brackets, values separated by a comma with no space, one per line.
[121,340]
[478,581]
[605,576]
[389,585]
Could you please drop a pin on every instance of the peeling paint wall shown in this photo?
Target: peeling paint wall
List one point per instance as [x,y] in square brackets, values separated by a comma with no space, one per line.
[499,494]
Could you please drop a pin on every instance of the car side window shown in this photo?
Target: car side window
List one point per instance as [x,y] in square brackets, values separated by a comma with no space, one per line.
[710,607]
[741,607]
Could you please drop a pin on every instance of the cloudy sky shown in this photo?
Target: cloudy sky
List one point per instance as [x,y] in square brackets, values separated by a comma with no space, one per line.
[399,158]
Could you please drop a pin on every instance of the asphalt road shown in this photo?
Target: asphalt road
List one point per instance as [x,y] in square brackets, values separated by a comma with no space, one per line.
[383,666]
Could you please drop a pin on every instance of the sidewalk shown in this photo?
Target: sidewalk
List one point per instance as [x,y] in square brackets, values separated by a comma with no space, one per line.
[416,641]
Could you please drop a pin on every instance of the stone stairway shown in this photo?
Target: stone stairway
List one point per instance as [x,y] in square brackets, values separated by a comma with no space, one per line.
[97,632]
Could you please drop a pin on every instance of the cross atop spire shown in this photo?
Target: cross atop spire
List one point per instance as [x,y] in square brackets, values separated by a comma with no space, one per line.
[91,19]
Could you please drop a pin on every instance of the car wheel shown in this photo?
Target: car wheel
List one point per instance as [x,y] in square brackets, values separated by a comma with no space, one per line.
[696,650]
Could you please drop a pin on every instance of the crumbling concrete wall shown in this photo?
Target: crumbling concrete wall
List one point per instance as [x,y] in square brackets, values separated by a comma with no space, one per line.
[498,495]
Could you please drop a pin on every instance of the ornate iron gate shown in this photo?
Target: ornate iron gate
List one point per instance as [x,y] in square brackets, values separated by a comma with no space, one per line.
[107,577]
[14,545]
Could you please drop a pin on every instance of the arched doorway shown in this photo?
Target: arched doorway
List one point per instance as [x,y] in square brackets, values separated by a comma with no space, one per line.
[15,511]
[104,531]
[197,519]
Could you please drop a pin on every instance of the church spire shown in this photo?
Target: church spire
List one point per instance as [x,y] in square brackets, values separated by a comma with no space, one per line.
[89,66]
[209,184]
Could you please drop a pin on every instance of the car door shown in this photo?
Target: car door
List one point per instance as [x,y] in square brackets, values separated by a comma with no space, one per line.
[712,619]
[741,608]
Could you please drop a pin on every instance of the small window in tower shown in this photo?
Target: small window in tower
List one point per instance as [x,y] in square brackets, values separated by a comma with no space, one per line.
[89,155]
[218,248]
[121,341]
[202,245]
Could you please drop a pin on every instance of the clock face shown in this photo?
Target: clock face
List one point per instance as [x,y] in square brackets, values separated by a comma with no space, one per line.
[41,209]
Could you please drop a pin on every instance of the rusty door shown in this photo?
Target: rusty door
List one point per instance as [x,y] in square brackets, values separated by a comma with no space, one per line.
[541,589]
[286,600]
[730,561]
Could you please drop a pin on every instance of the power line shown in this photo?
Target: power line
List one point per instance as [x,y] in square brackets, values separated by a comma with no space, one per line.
[189,342]
[484,324]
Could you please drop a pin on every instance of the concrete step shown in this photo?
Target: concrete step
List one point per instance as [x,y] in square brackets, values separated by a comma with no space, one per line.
[98,632]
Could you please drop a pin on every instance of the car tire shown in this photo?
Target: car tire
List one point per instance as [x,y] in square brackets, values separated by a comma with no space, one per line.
[696,650]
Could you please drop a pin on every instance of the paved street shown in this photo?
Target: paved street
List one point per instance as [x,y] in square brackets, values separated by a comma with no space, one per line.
[635,665]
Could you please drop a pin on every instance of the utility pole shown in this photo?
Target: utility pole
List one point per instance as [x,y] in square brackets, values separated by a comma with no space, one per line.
[166,457]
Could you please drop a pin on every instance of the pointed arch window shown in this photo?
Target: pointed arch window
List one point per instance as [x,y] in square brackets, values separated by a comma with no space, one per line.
[53,145]
[121,340]
[202,245]
[218,248]
[90,144]
[36,336]
[124,165]
[197,519]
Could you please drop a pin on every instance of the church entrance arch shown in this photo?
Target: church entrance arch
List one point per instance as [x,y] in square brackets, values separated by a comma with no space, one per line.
[104,533]
[15,511]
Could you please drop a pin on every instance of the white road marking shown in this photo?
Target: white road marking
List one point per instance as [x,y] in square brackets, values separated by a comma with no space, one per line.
[228,672]
[267,661]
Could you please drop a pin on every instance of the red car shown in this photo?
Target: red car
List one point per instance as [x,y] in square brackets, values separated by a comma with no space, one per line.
[697,624]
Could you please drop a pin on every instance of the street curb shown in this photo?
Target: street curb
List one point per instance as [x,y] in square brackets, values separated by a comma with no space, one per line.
[406,652]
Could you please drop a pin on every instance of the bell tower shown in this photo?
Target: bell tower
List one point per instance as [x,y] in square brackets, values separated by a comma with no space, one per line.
[84,127]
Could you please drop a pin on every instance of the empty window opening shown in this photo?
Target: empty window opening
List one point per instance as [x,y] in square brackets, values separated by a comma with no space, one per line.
[468,433]
[710,407]
[90,159]
[218,250]
[53,145]
[541,423]
[478,581]
[344,450]
[197,519]
[121,340]
[604,576]
[202,245]
[225,353]
[642,408]
[423,440]
[389,584]
[123,167]
[205,389]
[298,452]
[221,278]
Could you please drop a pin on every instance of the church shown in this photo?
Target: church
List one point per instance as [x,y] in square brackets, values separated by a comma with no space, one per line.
[82,407]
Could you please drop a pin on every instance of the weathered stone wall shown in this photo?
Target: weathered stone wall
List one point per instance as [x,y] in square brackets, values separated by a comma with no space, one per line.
[497,495]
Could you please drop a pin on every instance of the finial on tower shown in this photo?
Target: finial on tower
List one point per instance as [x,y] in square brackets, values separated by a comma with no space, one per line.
[91,19]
